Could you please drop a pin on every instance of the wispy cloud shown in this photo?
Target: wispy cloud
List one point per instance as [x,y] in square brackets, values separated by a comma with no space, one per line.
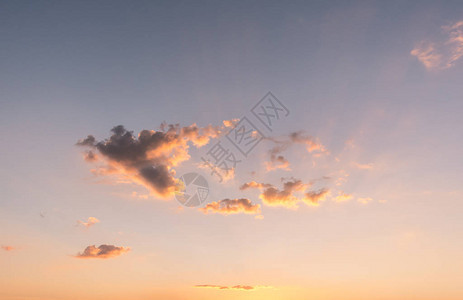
[365,200]
[445,52]
[8,248]
[235,287]
[232,206]
[278,161]
[369,166]
[103,251]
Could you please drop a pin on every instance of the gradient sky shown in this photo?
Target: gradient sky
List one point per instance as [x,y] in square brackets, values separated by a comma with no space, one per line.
[378,84]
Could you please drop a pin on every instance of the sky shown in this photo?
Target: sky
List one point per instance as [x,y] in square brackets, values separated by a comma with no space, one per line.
[353,192]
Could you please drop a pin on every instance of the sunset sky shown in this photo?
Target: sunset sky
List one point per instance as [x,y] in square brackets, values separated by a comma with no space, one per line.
[355,192]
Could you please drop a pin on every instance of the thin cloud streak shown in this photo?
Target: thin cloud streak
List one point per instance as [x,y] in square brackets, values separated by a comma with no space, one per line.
[235,287]
[232,206]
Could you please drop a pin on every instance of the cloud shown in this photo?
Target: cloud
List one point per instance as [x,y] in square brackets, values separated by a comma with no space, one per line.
[278,161]
[311,143]
[8,248]
[149,158]
[232,206]
[273,196]
[428,55]
[90,222]
[364,166]
[342,197]
[364,200]
[90,156]
[236,287]
[103,251]
[88,141]
[315,197]
[444,53]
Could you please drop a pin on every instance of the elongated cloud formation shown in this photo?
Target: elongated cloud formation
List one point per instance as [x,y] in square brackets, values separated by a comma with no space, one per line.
[103,251]
[90,222]
[444,53]
[278,161]
[8,248]
[232,206]
[286,196]
[149,158]
[236,287]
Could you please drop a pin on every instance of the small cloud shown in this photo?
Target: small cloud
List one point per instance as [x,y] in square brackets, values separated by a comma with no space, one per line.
[364,166]
[315,197]
[342,178]
[235,287]
[232,206]
[364,200]
[8,248]
[426,53]
[136,195]
[103,251]
[273,196]
[342,197]
[278,161]
[259,217]
[90,222]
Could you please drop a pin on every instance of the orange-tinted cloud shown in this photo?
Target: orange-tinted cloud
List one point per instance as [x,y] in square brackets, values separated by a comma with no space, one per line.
[315,197]
[364,200]
[342,197]
[232,206]
[103,251]
[90,222]
[149,158]
[235,287]
[273,196]
[8,248]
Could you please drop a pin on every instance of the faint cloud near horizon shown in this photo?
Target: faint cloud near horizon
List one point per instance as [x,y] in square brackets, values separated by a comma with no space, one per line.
[235,287]
[443,53]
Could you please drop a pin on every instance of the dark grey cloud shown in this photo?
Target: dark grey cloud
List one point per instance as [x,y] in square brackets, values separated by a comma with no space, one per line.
[149,158]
